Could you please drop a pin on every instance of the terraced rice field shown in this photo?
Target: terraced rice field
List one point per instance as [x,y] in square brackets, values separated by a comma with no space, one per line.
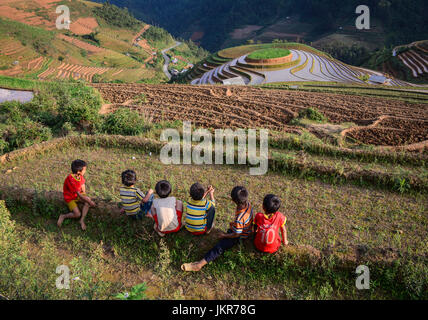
[66,71]
[383,122]
[9,48]
[83,26]
[19,11]
[143,43]
[81,44]
[36,63]
[305,66]
[416,58]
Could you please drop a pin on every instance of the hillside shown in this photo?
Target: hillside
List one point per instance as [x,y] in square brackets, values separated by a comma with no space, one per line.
[103,43]
[352,178]
[300,63]
[233,23]
[408,62]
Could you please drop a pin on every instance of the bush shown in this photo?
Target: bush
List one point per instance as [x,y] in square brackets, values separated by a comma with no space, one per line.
[125,122]
[116,16]
[57,108]
[3,144]
[75,103]
[26,133]
[312,114]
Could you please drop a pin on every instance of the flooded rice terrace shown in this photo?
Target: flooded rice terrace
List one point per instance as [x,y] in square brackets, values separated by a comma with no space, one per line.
[15,95]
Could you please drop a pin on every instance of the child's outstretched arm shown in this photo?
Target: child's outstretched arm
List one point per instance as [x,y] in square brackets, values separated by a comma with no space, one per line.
[86,199]
[284,235]
[148,195]
[210,191]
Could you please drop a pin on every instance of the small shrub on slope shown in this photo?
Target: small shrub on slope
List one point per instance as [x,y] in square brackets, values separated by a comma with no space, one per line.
[125,122]
[312,114]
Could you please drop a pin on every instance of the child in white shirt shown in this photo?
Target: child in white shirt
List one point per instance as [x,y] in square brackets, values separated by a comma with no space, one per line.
[166,211]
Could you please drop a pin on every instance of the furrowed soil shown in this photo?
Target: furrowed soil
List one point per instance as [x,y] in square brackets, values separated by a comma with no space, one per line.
[246,107]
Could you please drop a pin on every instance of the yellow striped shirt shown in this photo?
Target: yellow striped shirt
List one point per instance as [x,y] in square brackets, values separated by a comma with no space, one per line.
[131,198]
[196,214]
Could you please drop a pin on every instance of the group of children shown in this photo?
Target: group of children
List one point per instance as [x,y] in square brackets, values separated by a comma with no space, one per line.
[197,215]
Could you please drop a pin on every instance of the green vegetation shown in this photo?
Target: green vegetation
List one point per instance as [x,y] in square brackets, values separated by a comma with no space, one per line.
[270,53]
[312,114]
[55,104]
[235,52]
[325,235]
[190,51]
[27,269]
[397,22]
[125,122]
[116,16]
[158,37]
[39,39]
[354,54]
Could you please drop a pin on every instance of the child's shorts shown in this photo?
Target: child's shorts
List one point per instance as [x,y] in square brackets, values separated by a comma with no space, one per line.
[73,203]
[144,209]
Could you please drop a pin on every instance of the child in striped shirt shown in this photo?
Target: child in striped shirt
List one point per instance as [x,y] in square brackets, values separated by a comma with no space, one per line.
[240,228]
[135,203]
[200,212]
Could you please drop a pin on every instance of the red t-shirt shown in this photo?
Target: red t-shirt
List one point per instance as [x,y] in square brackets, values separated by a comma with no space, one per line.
[72,185]
[267,235]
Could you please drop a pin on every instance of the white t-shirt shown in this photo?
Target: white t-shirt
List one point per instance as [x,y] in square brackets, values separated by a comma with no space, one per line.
[166,213]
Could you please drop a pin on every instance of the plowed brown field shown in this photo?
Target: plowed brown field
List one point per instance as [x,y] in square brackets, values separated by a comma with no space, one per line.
[81,44]
[83,26]
[247,107]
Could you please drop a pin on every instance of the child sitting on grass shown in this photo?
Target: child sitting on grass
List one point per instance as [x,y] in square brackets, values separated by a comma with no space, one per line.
[74,191]
[240,228]
[135,203]
[267,225]
[166,211]
[199,211]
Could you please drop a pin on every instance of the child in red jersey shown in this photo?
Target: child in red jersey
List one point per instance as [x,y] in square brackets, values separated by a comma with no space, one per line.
[268,224]
[74,191]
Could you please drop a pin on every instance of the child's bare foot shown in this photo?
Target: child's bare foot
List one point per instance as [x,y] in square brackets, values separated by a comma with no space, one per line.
[60,221]
[83,225]
[194,266]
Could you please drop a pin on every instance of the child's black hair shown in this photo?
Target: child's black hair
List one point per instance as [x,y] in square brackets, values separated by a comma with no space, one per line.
[239,195]
[129,178]
[197,191]
[78,165]
[163,189]
[271,203]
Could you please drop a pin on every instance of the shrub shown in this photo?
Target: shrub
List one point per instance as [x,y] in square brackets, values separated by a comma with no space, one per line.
[125,122]
[312,114]
[76,104]
[26,133]
[3,144]
[116,16]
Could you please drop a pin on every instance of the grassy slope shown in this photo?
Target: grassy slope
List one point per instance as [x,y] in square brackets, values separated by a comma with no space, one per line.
[120,54]
[342,217]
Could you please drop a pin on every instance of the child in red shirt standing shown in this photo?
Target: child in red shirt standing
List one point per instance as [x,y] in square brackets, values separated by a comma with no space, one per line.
[74,191]
[268,224]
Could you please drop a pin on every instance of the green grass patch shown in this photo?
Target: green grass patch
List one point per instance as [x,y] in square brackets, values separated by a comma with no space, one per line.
[342,219]
[270,53]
